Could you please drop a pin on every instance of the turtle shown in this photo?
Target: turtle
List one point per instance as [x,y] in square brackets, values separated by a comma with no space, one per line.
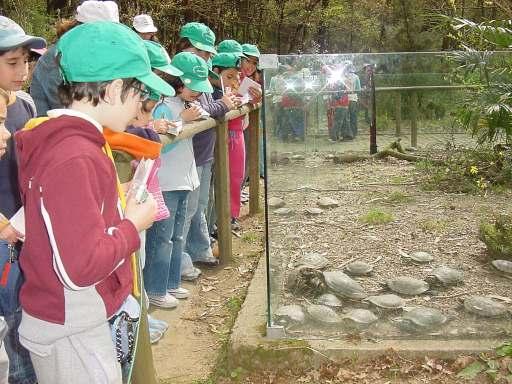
[360,317]
[289,313]
[422,318]
[344,285]
[298,157]
[322,314]
[276,202]
[305,280]
[417,257]
[387,301]
[359,268]
[329,300]
[446,276]
[408,285]
[484,306]
[314,260]
[327,202]
[504,266]
[313,211]
[284,211]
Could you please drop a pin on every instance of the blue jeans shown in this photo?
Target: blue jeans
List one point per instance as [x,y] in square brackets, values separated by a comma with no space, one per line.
[21,370]
[352,111]
[164,246]
[196,229]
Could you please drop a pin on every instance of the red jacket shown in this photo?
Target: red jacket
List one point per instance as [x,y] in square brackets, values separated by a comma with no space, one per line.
[75,238]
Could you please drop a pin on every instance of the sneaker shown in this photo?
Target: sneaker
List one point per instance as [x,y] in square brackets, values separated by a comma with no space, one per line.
[211,261]
[192,275]
[235,225]
[158,325]
[166,301]
[154,335]
[179,293]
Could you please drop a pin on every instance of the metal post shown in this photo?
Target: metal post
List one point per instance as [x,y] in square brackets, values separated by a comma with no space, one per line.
[373,124]
[222,193]
[254,162]
[398,114]
[414,119]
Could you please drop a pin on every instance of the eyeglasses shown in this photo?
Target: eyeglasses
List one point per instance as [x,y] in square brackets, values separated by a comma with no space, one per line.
[143,92]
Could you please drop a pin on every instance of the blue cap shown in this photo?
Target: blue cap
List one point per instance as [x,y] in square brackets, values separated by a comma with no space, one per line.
[12,36]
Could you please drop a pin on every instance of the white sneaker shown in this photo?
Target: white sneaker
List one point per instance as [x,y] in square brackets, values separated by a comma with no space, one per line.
[179,293]
[192,275]
[167,301]
[157,325]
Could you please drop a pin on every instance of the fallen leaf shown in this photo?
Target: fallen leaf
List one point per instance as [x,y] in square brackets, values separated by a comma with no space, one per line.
[207,288]
[472,370]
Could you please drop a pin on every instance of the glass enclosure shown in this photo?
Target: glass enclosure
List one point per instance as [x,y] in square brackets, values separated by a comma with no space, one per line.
[319,108]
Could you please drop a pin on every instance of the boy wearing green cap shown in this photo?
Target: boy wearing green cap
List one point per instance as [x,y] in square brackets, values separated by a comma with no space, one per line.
[79,276]
[15,45]
[178,177]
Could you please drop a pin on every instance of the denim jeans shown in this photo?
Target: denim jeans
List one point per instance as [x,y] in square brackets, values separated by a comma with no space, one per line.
[197,244]
[21,370]
[352,111]
[164,246]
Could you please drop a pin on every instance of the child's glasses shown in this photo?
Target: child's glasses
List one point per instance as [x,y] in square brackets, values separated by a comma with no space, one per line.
[143,92]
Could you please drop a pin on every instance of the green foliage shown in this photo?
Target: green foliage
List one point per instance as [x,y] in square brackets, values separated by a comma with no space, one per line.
[495,367]
[398,197]
[498,239]
[376,217]
[469,170]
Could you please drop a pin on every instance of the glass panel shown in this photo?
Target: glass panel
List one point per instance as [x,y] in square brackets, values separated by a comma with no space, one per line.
[316,113]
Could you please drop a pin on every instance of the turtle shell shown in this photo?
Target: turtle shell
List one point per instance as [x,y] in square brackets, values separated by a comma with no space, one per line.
[503,265]
[408,285]
[327,202]
[484,306]
[425,317]
[344,285]
[313,211]
[322,314]
[418,257]
[447,275]
[314,260]
[360,316]
[290,313]
[284,212]
[276,202]
[388,301]
[329,300]
[359,268]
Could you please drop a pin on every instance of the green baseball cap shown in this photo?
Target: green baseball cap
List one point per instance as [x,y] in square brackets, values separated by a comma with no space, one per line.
[200,36]
[103,51]
[159,58]
[195,71]
[251,50]
[210,69]
[226,60]
[230,46]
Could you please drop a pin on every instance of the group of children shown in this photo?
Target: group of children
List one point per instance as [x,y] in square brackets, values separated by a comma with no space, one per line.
[105,94]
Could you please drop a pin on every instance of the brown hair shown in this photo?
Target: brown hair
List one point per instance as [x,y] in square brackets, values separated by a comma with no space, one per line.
[65,25]
[93,92]
[182,44]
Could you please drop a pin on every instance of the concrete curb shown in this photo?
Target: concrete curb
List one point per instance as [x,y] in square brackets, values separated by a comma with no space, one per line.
[250,349]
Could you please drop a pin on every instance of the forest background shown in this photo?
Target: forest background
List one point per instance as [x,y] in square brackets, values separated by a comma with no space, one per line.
[291,26]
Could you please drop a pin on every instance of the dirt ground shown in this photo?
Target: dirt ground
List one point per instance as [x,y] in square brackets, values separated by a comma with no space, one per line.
[193,350]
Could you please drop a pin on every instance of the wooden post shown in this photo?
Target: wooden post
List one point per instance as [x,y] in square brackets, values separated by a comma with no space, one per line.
[414,119]
[222,193]
[254,162]
[398,114]
[143,370]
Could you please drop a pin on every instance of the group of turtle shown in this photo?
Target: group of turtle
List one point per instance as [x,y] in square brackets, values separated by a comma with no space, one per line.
[323,289]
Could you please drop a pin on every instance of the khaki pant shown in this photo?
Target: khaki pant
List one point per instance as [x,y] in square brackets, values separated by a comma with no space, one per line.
[84,358]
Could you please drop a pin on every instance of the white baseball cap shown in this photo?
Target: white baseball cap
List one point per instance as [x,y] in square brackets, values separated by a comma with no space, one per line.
[97,10]
[144,24]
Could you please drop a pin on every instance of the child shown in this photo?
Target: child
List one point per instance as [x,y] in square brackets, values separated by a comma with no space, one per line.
[231,46]
[79,276]
[145,28]
[178,176]
[14,52]
[227,66]
[198,39]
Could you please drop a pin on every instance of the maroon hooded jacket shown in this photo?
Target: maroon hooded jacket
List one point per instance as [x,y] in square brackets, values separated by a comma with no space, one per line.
[76,242]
